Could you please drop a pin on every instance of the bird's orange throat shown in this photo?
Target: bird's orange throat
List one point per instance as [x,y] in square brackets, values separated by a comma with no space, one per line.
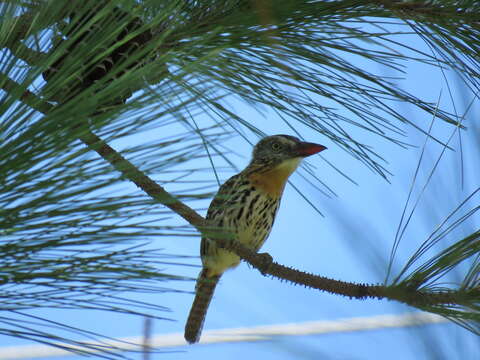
[273,181]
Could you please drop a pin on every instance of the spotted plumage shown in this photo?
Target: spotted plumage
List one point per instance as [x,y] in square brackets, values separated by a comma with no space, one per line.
[244,208]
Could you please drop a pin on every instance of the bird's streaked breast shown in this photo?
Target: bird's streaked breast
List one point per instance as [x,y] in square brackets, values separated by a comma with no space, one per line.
[246,211]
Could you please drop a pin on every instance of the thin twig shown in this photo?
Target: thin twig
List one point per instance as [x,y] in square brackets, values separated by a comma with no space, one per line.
[262,262]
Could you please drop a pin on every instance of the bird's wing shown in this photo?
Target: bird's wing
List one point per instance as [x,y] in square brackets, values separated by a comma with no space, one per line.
[224,197]
[215,214]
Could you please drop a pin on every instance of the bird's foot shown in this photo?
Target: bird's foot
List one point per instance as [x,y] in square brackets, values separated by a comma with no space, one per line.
[265,262]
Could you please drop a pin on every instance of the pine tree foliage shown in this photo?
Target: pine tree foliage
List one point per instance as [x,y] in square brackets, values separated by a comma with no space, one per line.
[73,231]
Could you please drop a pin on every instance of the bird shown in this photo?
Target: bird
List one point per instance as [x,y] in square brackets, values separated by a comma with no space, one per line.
[245,207]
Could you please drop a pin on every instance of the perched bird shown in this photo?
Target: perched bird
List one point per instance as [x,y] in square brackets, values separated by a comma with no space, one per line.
[245,208]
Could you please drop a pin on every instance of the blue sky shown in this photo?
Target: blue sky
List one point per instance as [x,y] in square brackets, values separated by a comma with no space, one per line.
[352,243]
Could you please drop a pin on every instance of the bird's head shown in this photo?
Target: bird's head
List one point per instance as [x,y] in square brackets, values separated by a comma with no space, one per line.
[275,158]
[277,149]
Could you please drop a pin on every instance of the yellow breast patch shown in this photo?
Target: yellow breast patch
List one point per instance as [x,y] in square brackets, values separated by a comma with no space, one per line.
[273,181]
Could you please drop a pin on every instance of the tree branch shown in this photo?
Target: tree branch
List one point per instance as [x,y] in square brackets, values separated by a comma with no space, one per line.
[262,262]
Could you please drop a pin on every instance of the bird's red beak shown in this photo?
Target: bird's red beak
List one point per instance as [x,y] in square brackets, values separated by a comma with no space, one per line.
[305,149]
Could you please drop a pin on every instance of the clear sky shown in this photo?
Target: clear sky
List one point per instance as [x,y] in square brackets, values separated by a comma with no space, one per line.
[352,243]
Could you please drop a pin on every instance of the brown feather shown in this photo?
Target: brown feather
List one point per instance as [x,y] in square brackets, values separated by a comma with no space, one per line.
[203,295]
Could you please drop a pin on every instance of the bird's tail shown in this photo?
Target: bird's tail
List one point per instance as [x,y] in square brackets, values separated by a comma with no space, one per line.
[203,295]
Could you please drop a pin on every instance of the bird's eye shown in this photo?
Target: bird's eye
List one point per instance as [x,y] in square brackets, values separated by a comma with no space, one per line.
[276,146]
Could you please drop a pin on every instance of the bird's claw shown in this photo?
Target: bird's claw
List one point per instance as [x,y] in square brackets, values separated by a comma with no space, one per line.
[265,262]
